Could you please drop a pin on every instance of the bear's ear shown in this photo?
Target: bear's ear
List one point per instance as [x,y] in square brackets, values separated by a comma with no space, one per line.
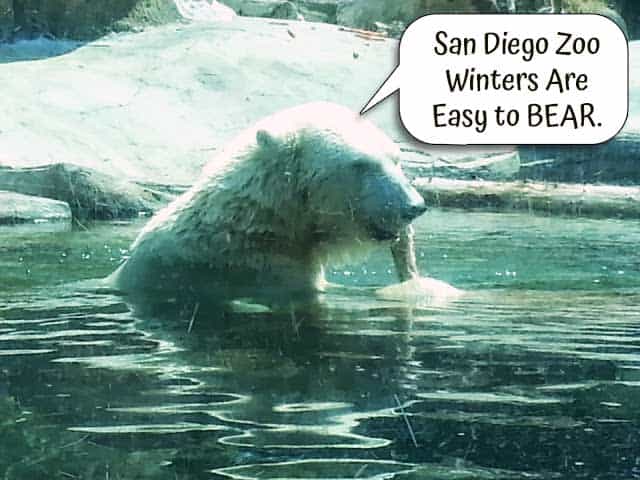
[266,140]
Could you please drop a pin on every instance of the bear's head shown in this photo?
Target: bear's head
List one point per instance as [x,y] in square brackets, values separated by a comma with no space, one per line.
[343,175]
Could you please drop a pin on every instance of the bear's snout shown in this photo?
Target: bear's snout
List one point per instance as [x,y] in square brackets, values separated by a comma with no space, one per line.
[411,204]
[390,203]
[414,210]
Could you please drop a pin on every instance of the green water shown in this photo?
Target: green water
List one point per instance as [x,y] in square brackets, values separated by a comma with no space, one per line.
[535,373]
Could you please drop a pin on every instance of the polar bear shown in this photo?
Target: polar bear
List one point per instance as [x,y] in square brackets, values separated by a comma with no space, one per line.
[306,186]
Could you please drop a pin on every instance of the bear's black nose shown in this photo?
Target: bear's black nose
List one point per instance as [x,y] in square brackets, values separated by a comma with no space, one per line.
[415,210]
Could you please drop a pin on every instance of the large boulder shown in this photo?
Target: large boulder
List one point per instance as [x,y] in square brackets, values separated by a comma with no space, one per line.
[90,193]
[157,105]
[310,10]
[368,13]
[81,19]
[21,209]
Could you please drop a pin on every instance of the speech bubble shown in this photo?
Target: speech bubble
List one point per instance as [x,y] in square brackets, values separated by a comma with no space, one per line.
[511,79]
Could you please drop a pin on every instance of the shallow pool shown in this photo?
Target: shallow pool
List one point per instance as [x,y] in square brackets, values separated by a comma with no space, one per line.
[535,373]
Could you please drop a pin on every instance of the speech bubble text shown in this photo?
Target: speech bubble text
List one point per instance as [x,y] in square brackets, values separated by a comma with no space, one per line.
[511,79]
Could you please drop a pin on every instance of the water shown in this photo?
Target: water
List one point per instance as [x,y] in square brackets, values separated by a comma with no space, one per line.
[534,374]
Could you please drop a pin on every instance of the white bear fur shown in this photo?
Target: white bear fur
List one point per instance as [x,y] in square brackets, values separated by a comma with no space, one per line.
[270,210]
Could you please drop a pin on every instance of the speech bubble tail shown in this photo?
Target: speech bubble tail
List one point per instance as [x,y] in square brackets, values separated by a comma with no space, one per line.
[390,85]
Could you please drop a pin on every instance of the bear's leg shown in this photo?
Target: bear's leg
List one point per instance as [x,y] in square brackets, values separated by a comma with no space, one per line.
[413,287]
[404,255]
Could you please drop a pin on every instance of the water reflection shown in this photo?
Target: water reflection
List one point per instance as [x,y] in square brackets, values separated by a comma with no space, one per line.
[509,382]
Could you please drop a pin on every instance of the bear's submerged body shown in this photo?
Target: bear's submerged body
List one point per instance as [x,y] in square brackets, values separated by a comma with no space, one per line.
[302,188]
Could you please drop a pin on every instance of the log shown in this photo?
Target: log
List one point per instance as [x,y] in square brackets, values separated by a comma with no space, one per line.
[594,201]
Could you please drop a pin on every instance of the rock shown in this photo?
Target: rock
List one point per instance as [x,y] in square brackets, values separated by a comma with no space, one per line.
[255,8]
[80,19]
[287,10]
[318,10]
[366,13]
[310,10]
[90,194]
[616,161]
[155,106]
[529,6]
[17,209]
[506,6]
